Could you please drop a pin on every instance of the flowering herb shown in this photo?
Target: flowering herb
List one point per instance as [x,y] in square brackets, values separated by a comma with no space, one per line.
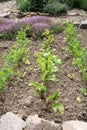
[37,24]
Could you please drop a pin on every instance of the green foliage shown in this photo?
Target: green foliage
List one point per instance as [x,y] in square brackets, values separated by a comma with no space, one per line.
[47,64]
[49,6]
[48,39]
[5,74]
[71,3]
[84,91]
[57,29]
[55,8]
[76,3]
[37,5]
[8,36]
[31,5]
[40,88]
[16,53]
[83,4]
[53,101]
[24,5]
[47,61]
[80,54]
[13,58]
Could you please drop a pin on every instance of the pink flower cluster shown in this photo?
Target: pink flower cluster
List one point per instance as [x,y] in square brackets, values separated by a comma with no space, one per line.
[36,23]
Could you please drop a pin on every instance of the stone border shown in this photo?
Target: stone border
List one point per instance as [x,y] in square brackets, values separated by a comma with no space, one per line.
[11,121]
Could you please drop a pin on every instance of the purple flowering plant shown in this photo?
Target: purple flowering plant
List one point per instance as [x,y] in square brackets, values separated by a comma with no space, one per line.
[37,24]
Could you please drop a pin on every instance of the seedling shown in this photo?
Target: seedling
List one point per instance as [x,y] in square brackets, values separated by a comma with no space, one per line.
[12,59]
[48,39]
[5,74]
[47,62]
[80,54]
[84,91]
[53,101]
[40,88]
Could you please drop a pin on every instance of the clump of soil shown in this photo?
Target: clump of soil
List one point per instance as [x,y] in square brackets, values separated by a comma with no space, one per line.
[19,96]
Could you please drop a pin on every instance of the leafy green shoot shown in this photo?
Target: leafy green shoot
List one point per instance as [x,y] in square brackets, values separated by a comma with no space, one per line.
[40,88]
[53,101]
[84,91]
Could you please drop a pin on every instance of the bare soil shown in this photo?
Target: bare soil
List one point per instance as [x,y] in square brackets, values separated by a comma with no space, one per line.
[19,97]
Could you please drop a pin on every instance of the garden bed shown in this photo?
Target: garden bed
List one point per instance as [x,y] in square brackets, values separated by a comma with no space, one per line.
[19,97]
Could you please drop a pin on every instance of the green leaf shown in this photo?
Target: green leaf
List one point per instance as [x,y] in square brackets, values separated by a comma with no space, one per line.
[53,97]
[43,76]
[58,107]
[1,88]
[40,87]
[52,77]
[84,91]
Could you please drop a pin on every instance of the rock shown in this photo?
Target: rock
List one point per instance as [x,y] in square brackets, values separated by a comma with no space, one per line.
[27,101]
[74,125]
[48,125]
[36,123]
[76,24]
[83,25]
[33,123]
[5,14]
[76,12]
[10,121]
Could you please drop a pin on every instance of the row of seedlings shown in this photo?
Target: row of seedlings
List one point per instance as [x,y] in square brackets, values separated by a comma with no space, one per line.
[48,64]
[80,53]
[17,53]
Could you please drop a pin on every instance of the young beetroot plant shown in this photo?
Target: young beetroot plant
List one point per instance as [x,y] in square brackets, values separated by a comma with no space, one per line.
[80,54]
[53,101]
[47,62]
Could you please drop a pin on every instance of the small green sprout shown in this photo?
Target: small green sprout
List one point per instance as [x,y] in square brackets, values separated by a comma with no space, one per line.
[84,91]
[53,101]
[40,88]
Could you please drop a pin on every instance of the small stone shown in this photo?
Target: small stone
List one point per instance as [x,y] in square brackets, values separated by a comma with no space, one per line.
[83,25]
[6,14]
[27,101]
[50,125]
[76,12]
[74,125]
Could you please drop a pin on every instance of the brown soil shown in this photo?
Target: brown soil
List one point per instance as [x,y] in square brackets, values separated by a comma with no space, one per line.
[13,98]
